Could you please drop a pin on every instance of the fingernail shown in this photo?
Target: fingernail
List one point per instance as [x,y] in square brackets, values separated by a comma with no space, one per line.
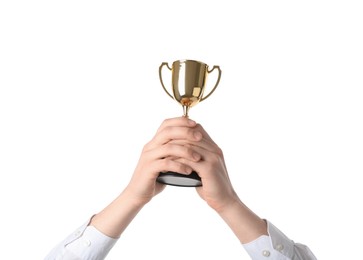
[198,135]
[196,156]
[191,122]
[188,170]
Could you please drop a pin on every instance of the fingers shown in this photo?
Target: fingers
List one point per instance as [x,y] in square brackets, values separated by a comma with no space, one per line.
[177,144]
[212,161]
[169,164]
[185,132]
[171,151]
[206,136]
[180,128]
[163,158]
[205,142]
[177,121]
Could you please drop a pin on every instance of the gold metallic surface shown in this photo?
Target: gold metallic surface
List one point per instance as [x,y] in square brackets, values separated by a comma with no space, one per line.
[188,81]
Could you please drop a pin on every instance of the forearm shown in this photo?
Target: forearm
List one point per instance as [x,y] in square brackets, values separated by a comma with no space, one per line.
[115,218]
[244,223]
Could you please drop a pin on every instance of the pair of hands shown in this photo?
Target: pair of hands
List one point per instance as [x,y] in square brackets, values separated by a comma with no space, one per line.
[181,145]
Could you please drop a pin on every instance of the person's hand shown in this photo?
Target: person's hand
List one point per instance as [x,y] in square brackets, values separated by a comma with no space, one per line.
[216,187]
[160,155]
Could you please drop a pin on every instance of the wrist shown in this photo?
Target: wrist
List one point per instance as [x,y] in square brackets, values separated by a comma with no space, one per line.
[134,201]
[114,219]
[226,204]
[245,224]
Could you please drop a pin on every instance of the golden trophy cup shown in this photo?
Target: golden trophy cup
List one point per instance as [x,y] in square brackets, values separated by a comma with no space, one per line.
[188,82]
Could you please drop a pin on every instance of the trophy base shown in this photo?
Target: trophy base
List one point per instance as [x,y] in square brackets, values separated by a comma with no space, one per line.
[181,180]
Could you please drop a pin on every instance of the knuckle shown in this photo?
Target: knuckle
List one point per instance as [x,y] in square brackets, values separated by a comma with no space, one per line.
[219,151]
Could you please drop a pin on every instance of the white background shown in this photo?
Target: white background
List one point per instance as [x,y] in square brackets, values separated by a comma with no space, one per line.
[80,96]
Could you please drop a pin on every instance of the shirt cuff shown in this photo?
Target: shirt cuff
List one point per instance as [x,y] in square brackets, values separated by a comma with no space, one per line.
[275,246]
[91,244]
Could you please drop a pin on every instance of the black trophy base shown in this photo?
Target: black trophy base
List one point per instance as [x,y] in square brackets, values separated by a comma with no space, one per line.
[181,180]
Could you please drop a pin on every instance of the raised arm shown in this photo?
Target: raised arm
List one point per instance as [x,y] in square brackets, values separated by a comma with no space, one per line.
[260,238]
[157,156]
[96,237]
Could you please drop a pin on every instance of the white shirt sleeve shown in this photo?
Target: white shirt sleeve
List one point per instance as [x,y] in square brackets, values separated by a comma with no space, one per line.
[88,243]
[85,243]
[277,246]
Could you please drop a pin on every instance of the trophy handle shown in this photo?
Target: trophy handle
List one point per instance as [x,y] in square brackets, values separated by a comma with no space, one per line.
[215,86]
[161,78]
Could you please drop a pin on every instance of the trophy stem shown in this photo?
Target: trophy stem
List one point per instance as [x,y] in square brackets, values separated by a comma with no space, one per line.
[186,111]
